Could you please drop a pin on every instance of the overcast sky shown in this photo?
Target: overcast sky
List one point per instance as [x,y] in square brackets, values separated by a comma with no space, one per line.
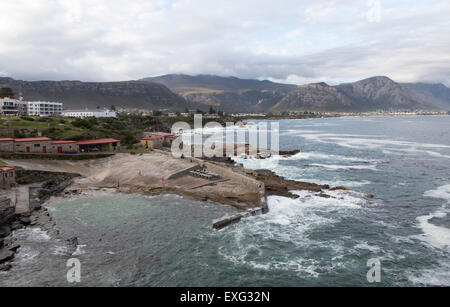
[291,41]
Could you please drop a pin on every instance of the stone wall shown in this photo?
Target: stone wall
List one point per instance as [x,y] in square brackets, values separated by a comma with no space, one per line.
[6,146]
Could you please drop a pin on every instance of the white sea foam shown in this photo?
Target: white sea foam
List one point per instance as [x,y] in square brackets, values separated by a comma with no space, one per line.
[437,236]
[442,192]
[80,250]
[290,222]
[31,234]
[60,250]
[367,246]
[364,142]
[439,276]
[26,255]
[344,167]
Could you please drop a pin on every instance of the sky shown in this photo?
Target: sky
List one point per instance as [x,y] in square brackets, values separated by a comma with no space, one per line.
[291,41]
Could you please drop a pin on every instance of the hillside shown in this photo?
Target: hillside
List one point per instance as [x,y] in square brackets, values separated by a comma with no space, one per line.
[228,94]
[437,94]
[76,94]
[372,94]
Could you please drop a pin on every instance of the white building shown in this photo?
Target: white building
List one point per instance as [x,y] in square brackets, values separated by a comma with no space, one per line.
[9,106]
[89,113]
[16,107]
[43,108]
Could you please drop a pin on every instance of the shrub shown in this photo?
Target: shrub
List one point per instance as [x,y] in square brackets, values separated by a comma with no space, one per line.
[27,118]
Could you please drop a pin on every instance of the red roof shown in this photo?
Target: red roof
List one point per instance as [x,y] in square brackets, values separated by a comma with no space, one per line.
[162,134]
[63,142]
[6,168]
[99,141]
[6,139]
[147,138]
[32,139]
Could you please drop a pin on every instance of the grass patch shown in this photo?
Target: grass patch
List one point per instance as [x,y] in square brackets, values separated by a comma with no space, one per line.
[138,150]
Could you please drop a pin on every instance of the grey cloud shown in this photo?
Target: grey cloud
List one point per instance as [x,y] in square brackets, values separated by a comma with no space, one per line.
[120,40]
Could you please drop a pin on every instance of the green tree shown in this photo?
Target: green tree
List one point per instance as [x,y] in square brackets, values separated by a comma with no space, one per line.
[211,110]
[6,92]
[113,108]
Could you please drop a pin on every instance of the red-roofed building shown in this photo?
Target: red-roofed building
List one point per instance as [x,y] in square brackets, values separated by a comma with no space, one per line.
[166,138]
[69,147]
[6,145]
[32,145]
[104,145]
[7,177]
[151,142]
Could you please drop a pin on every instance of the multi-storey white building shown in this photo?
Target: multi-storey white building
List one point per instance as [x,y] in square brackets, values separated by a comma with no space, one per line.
[43,108]
[9,106]
[89,113]
[16,107]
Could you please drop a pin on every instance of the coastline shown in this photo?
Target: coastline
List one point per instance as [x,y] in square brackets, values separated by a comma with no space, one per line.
[245,190]
[344,115]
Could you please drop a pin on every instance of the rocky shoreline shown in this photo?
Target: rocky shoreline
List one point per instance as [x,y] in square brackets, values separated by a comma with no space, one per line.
[42,185]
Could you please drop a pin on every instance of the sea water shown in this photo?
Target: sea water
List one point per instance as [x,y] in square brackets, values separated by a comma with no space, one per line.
[134,240]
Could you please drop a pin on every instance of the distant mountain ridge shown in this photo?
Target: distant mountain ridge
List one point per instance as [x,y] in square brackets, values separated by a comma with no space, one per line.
[372,94]
[436,93]
[77,94]
[231,94]
[228,94]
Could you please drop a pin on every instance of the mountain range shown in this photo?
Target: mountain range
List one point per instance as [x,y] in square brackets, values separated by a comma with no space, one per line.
[231,94]
[77,95]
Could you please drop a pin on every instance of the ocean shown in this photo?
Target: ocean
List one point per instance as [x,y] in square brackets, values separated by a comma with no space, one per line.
[135,240]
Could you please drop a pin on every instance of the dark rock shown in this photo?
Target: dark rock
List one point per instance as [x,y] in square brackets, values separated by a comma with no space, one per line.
[72,245]
[324,195]
[25,220]
[280,186]
[288,152]
[340,188]
[5,231]
[14,248]
[5,267]
[16,225]
[6,255]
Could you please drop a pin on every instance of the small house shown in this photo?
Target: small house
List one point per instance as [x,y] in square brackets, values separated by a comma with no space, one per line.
[100,145]
[166,138]
[64,147]
[7,177]
[33,145]
[151,142]
[6,145]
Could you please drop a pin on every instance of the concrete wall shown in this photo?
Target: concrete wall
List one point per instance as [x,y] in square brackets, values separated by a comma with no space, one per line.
[155,144]
[7,146]
[183,172]
[7,179]
[68,147]
[34,147]
[165,141]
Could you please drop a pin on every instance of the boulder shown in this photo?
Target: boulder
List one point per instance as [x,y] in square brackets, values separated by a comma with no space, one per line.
[6,255]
